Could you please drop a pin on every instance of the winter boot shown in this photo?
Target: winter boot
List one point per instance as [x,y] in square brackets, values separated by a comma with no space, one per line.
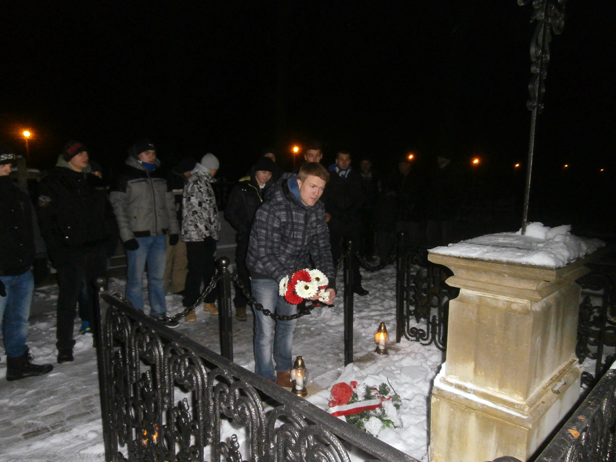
[65,356]
[22,367]
[192,317]
[240,313]
[211,307]
[283,379]
[85,328]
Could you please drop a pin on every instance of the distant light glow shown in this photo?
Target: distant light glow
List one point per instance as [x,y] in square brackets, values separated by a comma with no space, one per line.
[27,134]
[601,169]
[476,161]
[566,166]
[517,165]
[295,149]
[411,156]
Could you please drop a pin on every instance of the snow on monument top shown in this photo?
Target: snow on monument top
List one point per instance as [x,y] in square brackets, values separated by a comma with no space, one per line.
[540,246]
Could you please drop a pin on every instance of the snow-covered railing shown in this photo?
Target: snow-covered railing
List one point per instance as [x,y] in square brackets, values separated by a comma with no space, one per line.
[165,397]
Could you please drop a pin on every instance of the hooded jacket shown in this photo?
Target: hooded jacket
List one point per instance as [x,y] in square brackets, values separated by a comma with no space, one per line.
[199,210]
[19,231]
[142,202]
[286,236]
[245,199]
[73,209]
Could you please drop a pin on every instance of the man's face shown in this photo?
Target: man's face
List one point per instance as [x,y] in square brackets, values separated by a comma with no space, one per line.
[343,160]
[313,155]
[366,166]
[148,156]
[262,176]
[5,169]
[80,161]
[310,190]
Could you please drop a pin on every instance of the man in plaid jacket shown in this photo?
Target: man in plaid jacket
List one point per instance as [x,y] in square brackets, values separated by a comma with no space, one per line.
[288,233]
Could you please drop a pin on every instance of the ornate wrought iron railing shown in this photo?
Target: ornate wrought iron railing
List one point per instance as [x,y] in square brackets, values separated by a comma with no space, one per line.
[422,298]
[589,434]
[165,397]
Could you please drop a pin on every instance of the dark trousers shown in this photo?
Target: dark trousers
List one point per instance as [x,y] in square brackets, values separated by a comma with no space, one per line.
[73,266]
[201,269]
[241,250]
[339,234]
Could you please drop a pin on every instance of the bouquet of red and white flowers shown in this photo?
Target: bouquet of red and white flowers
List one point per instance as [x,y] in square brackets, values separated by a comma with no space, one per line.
[304,285]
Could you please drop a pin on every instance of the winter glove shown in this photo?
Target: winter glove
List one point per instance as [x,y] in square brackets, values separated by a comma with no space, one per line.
[173,239]
[40,270]
[2,289]
[131,244]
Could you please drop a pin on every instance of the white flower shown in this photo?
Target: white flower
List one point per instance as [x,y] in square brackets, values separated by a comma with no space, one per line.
[306,289]
[323,296]
[318,277]
[391,412]
[283,286]
[373,426]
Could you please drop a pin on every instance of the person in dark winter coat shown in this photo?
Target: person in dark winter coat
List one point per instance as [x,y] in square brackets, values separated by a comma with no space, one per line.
[200,228]
[22,247]
[145,210]
[344,200]
[288,232]
[77,223]
[244,200]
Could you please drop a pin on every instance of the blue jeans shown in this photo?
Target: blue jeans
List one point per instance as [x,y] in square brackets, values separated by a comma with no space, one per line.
[15,311]
[273,339]
[153,250]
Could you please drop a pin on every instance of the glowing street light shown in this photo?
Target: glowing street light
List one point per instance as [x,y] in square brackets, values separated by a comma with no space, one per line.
[517,165]
[295,151]
[476,161]
[411,156]
[27,135]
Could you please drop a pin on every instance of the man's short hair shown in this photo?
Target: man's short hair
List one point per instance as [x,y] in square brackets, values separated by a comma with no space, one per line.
[314,169]
[344,151]
[313,144]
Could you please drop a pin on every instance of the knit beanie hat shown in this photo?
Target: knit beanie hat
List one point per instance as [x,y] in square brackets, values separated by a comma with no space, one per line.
[7,156]
[187,164]
[266,164]
[142,145]
[71,149]
[210,161]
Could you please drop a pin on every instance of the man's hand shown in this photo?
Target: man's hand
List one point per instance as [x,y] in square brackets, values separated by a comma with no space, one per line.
[40,270]
[2,289]
[131,244]
[327,217]
[173,239]
[332,296]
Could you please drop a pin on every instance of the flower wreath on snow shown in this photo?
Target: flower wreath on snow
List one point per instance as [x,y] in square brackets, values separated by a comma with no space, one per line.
[304,284]
[368,408]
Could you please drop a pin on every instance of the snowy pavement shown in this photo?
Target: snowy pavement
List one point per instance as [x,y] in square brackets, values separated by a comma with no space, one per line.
[57,417]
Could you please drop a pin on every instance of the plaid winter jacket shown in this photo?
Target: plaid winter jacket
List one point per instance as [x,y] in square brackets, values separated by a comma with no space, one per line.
[285,237]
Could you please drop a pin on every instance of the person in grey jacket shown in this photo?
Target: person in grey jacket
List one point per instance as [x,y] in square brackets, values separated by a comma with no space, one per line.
[145,209]
[289,231]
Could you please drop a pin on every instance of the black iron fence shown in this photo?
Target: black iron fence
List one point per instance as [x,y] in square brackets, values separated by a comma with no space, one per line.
[589,434]
[165,397]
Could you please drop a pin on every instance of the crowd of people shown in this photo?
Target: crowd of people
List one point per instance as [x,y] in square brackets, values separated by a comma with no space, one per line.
[170,224]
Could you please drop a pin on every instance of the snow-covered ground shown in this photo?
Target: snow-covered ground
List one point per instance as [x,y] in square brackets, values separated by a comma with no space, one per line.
[57,417]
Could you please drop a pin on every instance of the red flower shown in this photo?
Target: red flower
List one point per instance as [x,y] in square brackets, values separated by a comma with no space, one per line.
[341,393]
[291,296]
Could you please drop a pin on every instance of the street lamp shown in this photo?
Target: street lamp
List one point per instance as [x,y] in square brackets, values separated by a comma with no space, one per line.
[27,135]
[295,150]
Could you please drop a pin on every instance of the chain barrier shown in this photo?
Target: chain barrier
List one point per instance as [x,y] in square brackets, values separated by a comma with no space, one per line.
[191,309]
[373,268]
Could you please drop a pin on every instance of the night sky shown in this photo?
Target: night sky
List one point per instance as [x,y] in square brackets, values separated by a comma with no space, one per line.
[380,78]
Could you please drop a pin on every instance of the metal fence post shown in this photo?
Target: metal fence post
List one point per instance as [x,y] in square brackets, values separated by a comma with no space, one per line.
[400,278]
[100,342]
[348,304]
[224,308]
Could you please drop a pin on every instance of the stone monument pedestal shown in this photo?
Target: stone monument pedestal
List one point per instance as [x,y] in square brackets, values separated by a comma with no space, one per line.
[511,372]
